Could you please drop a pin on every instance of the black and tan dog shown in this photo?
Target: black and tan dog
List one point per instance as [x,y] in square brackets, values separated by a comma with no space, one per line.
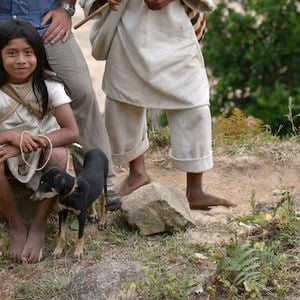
[77,194]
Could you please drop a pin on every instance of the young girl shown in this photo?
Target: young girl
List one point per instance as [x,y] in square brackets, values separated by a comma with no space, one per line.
[36,122]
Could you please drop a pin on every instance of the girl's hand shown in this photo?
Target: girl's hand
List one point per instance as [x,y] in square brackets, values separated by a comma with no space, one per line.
[114,4]
[157,4]
[30,142]
[42,142]
[11,137]
[8,151]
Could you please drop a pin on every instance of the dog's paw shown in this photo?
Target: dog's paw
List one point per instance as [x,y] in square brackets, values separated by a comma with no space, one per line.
[92,219]
[102,225]
[57,252]
[78,254]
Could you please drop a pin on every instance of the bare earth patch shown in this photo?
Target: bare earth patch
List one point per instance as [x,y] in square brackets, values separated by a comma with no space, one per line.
[237,178]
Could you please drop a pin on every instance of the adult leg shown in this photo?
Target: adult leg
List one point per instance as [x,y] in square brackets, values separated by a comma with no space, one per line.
[17,225]
[197,198]
[32,251]
[68,62]
[191,152]
[137,177]
[127,130]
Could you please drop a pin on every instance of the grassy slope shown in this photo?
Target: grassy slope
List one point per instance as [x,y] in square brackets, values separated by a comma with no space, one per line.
[178,268]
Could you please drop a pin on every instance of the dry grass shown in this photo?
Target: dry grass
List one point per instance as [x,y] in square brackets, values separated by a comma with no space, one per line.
[169,258]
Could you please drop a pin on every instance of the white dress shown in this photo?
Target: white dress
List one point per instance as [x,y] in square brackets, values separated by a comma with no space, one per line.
[155,60]
[23,119]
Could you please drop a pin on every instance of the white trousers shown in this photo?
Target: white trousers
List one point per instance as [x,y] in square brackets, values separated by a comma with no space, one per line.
[190,129]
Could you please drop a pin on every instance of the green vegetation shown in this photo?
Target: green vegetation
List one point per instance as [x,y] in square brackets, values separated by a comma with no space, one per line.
[253,53]
[266,263]
[236,133]
[258,259]
[261,262]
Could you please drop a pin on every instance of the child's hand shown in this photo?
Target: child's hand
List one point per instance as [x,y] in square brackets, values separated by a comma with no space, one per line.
[8,151]
[42,142]
[114,4]
[157,4]
[30,143]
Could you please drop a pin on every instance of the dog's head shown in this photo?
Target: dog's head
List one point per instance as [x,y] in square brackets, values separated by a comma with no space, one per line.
[54,181]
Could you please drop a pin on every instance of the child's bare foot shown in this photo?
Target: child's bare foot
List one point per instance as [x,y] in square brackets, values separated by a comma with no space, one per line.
[202,200]
[132,183]
[18,236]
[32,251]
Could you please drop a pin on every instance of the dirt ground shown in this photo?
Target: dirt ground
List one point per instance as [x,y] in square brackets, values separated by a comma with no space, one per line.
[233,177]
[237,178]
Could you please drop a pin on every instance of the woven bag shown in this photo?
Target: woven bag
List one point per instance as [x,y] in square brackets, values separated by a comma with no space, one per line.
[198,21]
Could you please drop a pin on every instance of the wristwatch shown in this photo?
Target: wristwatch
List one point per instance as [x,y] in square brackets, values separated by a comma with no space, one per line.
[70,9]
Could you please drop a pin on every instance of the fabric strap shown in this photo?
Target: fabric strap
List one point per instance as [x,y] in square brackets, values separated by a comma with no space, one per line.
[4,114]
[20,98]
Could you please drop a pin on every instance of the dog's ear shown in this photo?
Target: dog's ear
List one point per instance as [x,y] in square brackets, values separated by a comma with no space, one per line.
[59,182]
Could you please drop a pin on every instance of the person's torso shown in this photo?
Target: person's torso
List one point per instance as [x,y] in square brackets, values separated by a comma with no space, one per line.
[22,116]
[28,10]
[155,60]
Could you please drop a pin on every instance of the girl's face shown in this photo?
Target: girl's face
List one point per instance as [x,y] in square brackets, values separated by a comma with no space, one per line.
[19,60]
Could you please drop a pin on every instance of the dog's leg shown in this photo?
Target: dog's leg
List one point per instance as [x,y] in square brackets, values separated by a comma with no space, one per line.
[103,213]
[62,216]
[78,254]
[92,216]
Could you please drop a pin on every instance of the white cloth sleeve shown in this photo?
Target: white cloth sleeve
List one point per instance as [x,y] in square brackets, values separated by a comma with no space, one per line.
[57,94]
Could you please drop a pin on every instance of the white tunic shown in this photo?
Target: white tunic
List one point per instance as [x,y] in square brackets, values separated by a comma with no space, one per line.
[23,119]
[155,60]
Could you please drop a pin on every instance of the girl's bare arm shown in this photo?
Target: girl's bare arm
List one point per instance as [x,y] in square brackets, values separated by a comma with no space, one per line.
[13,137]
[69,132]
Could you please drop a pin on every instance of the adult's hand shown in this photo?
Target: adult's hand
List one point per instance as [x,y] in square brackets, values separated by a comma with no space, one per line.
[157,4]
[60,27]
[114,4]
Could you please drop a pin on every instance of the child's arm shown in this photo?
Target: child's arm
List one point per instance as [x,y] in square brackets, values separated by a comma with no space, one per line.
[69,132]
[8,151]
[12,137]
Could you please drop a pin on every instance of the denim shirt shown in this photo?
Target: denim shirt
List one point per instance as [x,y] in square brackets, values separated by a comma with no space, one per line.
[28,10]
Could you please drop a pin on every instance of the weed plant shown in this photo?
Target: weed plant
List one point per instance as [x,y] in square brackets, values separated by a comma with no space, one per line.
[266,264]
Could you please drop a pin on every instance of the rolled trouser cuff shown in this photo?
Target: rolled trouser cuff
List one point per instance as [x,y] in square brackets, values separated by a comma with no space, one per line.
[197,165]
[138,150]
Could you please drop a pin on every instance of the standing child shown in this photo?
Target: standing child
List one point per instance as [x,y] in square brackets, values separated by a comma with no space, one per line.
[154,61]
[36,122]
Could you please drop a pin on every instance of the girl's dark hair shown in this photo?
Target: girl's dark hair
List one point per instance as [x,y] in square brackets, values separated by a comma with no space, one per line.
[15,29]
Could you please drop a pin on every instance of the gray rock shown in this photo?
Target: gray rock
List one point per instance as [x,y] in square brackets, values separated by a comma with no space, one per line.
[107,280]
[155,208]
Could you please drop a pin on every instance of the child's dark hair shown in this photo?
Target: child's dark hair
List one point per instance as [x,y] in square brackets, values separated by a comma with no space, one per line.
[15,29]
